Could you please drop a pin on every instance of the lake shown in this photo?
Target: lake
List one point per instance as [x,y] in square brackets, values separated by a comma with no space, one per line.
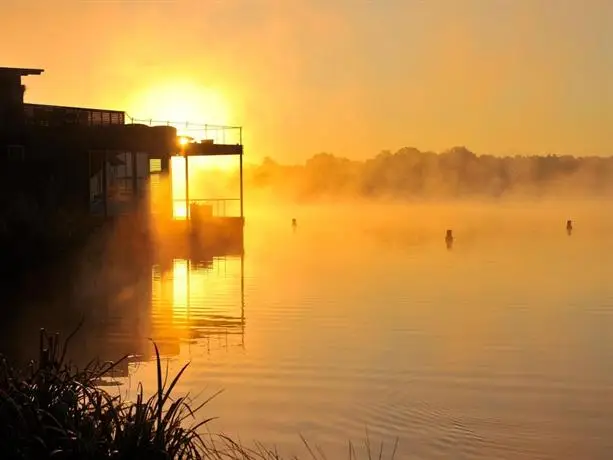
[361,321]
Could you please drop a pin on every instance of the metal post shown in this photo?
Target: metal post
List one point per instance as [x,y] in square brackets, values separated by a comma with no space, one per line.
[187,216]
[166,177]
[240,141]
[241,183]
[243,297]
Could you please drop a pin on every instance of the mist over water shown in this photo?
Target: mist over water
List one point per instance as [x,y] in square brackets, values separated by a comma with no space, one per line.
[360,318]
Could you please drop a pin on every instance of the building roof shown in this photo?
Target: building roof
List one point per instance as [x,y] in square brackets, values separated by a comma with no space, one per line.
[18,72]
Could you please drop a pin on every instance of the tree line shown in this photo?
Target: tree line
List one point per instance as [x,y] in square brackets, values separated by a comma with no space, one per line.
[455,173]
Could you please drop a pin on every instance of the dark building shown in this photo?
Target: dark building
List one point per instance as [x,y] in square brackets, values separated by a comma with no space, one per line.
[65,171]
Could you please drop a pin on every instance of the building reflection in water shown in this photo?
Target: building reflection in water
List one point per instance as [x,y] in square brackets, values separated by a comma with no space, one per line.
[175,302]
[198,301]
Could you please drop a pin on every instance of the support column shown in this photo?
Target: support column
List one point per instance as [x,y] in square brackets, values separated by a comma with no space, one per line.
[241,185]
[166,182]
[243,298]
[135,191]
[187,213]
[240,141]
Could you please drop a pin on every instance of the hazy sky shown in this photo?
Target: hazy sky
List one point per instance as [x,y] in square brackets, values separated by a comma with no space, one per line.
[351,77]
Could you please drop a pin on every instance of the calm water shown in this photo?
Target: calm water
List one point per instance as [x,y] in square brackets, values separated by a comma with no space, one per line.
[361,320]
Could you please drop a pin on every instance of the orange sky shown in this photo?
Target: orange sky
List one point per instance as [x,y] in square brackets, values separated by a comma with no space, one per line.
[351,77]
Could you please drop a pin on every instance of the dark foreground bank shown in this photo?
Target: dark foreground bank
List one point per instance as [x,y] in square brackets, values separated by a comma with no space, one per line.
[52,410]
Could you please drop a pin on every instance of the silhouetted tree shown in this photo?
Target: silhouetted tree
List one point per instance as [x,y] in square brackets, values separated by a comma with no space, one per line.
[455,173]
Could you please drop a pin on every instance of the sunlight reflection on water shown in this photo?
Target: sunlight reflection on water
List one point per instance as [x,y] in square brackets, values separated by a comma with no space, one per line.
[498,349]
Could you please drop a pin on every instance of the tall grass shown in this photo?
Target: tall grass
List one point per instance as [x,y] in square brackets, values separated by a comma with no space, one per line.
[53,410]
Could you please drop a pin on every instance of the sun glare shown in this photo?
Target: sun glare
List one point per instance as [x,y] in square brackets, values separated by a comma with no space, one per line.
[181,104]
[195,110]
[205,174]
[180,293]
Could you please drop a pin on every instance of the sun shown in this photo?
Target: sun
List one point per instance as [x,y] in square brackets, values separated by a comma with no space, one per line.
[196,111]
[184,104]
[209,178]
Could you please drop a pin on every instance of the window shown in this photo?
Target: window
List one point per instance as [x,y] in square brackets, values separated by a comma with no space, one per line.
[155,165]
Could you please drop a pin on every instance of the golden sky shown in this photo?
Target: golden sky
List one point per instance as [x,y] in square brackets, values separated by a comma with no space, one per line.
[351,77]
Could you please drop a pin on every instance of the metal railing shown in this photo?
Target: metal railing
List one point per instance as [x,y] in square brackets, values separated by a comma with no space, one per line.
[220,205]
[219,134]
[56,115]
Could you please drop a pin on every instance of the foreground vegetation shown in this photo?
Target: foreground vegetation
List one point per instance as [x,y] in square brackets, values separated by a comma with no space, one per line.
[53,410]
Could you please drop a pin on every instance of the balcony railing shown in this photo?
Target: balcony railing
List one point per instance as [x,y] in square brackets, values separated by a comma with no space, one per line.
[219,134]
[55,115]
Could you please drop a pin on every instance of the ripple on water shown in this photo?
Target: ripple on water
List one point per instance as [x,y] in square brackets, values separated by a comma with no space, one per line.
[492,351]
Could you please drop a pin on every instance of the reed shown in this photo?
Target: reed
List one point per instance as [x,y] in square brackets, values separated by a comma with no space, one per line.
[53,410]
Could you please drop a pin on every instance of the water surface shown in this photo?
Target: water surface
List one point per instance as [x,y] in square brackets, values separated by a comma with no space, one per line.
[362,320]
